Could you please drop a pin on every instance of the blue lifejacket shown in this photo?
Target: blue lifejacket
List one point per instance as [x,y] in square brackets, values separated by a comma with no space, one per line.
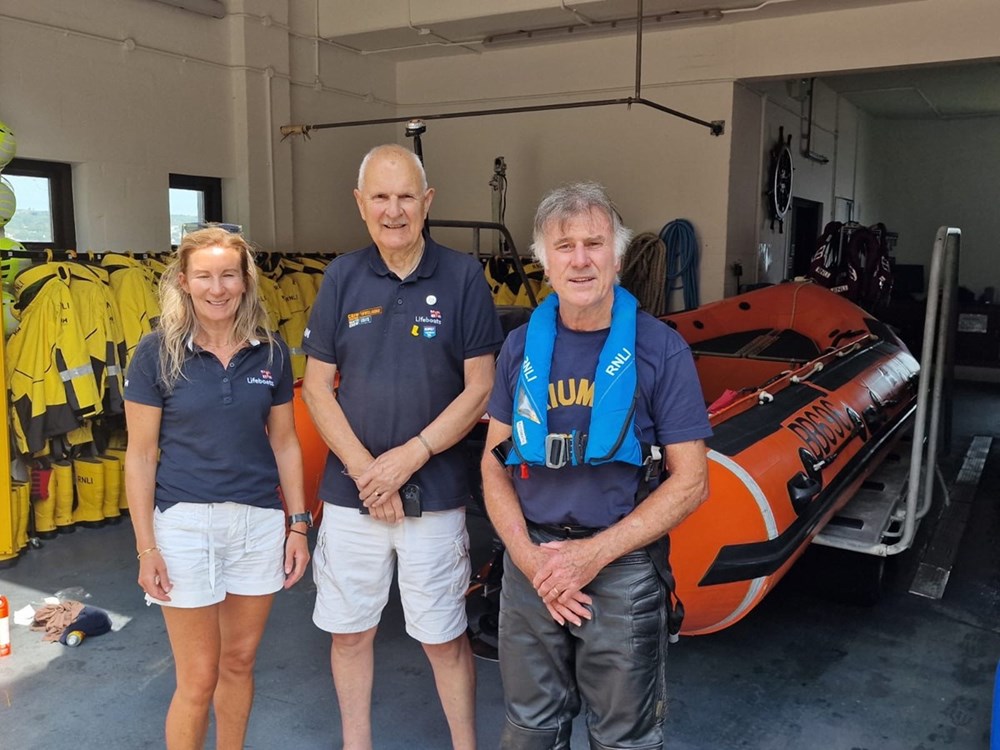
[611,435]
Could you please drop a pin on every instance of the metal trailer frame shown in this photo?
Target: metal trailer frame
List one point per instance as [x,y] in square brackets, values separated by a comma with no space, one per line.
[882,518]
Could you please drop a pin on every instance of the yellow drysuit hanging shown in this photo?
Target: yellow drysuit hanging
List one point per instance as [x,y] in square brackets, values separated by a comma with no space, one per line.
[49,373]
[132,286]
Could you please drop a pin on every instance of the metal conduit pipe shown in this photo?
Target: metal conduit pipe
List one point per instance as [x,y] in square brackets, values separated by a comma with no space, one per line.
[213,8]
[716,127]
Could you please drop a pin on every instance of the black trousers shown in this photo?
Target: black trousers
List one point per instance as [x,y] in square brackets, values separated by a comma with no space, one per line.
[614,663]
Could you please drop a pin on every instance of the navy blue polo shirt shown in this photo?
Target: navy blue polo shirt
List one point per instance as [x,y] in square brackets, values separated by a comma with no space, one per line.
[400,348]
[213,441]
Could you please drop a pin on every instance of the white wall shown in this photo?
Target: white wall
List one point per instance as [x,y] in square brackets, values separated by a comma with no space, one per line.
[193,95]
[837,126]
[934,173]
[206,96]
[116,113]
[747,174]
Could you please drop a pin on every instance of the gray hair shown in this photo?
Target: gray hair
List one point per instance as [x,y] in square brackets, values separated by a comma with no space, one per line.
[571,200]
[387,149]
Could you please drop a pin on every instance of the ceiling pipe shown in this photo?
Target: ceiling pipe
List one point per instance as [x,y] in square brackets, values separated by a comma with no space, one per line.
[806,123]
[617,25]
[638,48]
[213,8]
[715,127]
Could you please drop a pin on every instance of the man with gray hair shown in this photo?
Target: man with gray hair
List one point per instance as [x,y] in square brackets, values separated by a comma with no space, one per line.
[586,394]
[401,341]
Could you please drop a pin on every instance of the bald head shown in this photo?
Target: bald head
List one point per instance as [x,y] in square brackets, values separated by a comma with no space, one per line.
[393,199]
[390,152]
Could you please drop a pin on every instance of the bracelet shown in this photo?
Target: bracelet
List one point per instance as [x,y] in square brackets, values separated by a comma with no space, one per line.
[296,531]
[422,439]
[146,552]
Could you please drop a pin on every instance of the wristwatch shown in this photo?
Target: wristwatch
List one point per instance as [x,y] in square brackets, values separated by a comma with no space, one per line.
[306,518]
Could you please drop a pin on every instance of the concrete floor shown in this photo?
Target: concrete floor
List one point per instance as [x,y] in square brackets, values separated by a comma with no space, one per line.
[803,670]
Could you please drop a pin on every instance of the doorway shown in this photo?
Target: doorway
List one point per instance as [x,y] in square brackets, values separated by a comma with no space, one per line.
[807,218]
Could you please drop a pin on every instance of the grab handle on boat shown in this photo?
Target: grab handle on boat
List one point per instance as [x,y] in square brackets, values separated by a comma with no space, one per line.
[800,378]
[802,489]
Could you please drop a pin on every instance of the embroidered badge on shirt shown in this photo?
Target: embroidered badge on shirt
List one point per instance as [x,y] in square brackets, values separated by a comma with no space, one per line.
[430,332]
[264,379]
[363,317]
[432,318]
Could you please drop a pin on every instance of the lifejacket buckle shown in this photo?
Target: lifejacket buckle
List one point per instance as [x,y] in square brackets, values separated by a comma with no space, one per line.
[557,450]
[653,463]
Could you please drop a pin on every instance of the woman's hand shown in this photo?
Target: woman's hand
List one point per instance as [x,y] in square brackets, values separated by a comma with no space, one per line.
[153,578]
[296,557]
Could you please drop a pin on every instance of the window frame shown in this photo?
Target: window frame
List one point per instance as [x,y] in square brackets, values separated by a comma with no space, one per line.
[60,177]
[209,187]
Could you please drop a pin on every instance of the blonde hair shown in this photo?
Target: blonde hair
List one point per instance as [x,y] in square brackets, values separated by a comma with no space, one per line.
[178,322]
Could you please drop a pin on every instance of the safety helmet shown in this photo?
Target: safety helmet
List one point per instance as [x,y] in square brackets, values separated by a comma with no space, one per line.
[8,203]
[10,322]
[8,144]
[10,267]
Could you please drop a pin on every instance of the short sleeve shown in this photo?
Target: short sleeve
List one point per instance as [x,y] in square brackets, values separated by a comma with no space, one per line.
[142,382]
[285,389]
[501,403]
[679,413]
[482,333]
[319,340]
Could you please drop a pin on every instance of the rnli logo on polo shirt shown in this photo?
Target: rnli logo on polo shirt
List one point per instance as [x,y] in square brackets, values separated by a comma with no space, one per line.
[363,317]
[265,379]
[428,321]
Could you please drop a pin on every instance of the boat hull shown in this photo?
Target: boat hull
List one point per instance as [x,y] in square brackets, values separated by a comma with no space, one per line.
[810,394]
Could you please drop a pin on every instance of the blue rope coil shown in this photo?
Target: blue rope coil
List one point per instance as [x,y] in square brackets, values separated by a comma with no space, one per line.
[682,261]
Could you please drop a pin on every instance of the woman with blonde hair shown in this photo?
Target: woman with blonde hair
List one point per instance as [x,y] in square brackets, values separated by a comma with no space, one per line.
[212,451]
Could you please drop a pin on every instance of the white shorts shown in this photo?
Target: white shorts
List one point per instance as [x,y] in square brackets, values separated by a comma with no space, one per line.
[214,549]
[354,561]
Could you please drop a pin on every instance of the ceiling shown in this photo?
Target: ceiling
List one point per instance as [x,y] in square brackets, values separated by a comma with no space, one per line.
[943,92]
[416,29]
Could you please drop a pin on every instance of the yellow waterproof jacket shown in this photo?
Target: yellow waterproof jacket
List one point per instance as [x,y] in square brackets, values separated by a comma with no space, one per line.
[104,339]
[315,268]
[49,372]
[506,285]
[274,301]
[294,326]
[132,286]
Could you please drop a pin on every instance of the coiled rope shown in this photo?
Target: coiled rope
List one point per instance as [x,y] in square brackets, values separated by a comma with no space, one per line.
[644,270]
[682,261]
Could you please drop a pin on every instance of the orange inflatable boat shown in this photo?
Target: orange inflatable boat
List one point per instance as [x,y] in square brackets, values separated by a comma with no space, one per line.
[807,393]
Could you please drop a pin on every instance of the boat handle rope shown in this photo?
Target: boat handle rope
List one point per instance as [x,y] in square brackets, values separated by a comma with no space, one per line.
[849,350]
[801,378]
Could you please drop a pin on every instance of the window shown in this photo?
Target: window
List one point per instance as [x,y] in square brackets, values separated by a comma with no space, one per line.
[44,194]
[193,200]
